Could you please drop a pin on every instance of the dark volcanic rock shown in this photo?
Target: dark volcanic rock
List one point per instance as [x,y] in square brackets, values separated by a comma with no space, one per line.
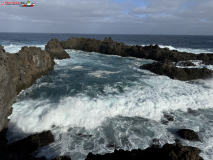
[31,143]
[188,134]
[108,46]
[167,152]
[167,68]
[55,50]
[62,158]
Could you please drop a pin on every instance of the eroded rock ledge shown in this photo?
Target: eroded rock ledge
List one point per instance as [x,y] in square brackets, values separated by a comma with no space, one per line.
[167,68]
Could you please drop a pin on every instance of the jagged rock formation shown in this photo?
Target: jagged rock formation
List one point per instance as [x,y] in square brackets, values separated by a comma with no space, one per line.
[108,46]
[167,152]
[184,74]
[19,71]
[188,134]
[55,50]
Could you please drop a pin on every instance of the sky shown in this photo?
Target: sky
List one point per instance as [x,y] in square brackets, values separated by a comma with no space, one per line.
[167,17]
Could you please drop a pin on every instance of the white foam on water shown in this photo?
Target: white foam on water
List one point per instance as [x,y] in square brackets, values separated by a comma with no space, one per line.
[101,73]
[188,50]
[161,94]
[14,48]
[77,67]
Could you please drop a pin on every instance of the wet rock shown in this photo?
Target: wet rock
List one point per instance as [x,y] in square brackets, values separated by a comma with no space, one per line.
[185,63]
[84,135]
[177,140]
[113,146]
[188,134]
[31,143]
[167,68]
[167,152]
[62,158]
[55,50]
[165,122]
[168,117]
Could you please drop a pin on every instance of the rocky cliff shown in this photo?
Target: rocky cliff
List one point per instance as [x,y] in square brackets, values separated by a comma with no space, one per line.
[19,71]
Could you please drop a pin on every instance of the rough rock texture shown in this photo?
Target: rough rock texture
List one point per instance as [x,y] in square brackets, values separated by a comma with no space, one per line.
[62,158]
[167,152]
[188,134]
[167,68]
[19,71]
[55,50]
[22,149]
[108,46]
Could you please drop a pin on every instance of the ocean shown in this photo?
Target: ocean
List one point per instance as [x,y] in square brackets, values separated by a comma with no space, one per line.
[96,103]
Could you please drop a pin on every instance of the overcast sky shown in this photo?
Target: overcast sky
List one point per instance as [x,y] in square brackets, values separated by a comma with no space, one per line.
[177,17]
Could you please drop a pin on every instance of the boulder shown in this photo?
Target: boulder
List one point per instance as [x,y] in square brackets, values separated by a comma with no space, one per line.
[55,50]
[188,134]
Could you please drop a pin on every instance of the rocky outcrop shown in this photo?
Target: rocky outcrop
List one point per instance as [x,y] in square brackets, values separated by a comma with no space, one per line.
[19,71]
[55,50]
[108,46]
[167,68]
[22,149]
[188,134]
[167,152]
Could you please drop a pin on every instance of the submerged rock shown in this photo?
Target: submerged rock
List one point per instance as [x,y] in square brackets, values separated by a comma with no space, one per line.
[185,63]
[167,68]
[55,50]
[167,152]
[188,134]
[62,158]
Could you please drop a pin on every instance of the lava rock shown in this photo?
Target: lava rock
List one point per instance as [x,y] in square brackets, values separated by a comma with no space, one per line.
[188,134]
[62,158]
[167,152]
[31,143]
[55,50]
[167,68]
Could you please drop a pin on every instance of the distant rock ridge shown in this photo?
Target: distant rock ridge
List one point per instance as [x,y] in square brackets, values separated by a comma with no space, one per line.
[108,46]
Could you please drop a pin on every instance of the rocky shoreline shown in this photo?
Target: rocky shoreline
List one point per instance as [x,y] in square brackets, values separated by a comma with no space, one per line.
[20,70]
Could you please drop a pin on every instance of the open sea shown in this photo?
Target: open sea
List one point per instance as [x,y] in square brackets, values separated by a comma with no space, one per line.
[96,103]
